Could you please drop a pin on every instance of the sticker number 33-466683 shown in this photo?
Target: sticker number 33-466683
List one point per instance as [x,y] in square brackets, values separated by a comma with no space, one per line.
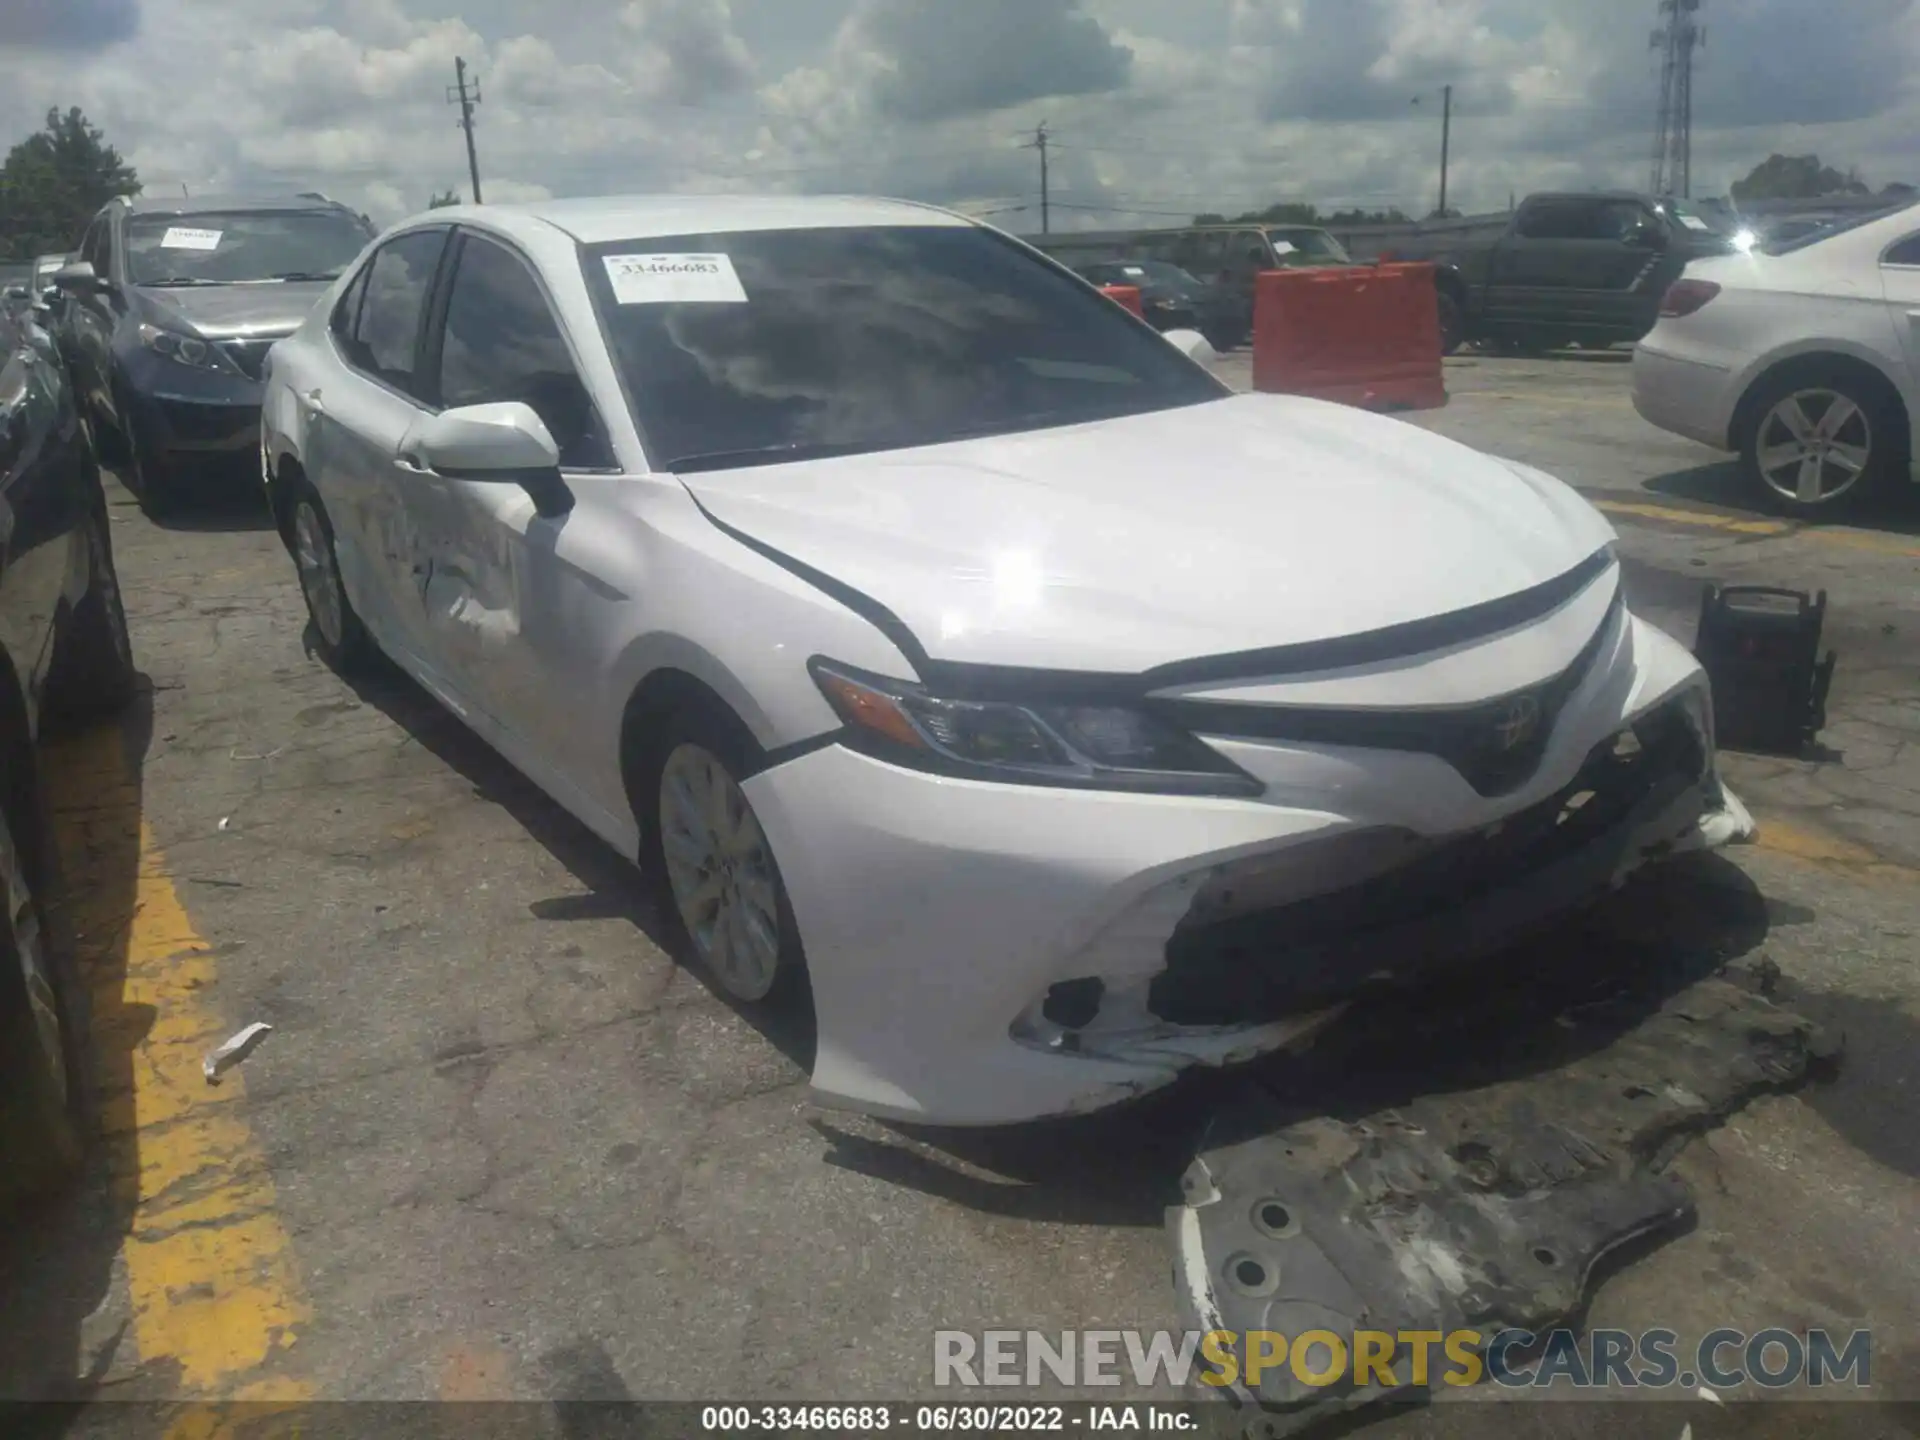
[674,280]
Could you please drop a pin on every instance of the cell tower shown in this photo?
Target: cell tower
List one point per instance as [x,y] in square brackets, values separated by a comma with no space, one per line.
[1679,35]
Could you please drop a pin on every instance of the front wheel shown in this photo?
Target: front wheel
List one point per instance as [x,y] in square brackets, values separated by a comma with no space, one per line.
[714,875]
[1821,443]
[1453,325]
[339,637]
[40,1129]
[93,676]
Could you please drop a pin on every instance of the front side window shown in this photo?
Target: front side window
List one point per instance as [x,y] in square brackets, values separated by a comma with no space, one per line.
[93,249]
[232,247]
[386,339]
[757,347]
[501,342]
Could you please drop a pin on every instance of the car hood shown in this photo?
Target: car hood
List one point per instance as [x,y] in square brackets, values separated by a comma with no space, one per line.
[227,312]
[1121,545]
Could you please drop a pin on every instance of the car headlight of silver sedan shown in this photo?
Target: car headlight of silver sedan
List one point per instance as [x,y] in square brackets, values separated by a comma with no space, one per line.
[189,350]
[1061,743]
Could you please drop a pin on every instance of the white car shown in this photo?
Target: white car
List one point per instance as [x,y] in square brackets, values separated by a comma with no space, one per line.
[1802,356]
[952,650]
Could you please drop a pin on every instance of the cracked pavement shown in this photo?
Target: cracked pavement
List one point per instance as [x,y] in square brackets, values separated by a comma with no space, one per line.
[516,1152]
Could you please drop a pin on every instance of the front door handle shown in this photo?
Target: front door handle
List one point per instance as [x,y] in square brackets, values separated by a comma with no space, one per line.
[410,465]
[310,401]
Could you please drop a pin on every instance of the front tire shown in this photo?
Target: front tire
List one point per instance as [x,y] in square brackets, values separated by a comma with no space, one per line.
[1822,441]
[40,1080]
[1453,325]
[340,639]
[93,675]
[716,884]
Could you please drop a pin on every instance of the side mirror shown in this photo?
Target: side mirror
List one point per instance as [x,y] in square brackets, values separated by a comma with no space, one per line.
[78,279]
[505,442]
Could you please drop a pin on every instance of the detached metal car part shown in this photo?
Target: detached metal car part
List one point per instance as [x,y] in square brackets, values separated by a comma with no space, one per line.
[946,644]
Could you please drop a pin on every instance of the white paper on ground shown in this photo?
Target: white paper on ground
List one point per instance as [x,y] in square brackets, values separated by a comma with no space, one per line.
[180,238]
[232,1051]
[674,280]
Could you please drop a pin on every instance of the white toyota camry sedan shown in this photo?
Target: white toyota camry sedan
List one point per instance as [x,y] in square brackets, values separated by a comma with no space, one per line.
[1802,355]
[956,655]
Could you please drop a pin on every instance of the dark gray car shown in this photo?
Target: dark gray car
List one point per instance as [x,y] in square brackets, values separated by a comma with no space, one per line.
[173,305]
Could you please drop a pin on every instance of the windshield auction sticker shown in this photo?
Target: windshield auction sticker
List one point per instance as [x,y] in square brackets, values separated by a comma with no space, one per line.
[179,238]
[674,280]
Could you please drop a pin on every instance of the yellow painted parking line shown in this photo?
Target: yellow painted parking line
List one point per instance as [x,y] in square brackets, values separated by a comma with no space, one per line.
[1733,524]
[1797,840]
[1738,525]
[211,1280]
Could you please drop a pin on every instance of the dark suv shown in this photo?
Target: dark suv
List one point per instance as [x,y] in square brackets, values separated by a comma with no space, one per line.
[172,307]
[64,660]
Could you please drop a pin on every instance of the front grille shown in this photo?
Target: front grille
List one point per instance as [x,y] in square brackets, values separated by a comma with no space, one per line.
[250,354]
[1257,967]
[1496,746]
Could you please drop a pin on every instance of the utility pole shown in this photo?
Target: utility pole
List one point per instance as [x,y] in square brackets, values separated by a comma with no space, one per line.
[1680,34]
[1446,143]
[457,94]
[1039,143]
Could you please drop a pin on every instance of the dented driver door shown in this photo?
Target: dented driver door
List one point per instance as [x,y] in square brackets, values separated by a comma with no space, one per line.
[506,593]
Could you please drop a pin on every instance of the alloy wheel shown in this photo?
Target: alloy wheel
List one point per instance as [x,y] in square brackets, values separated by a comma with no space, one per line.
[21,920]
[1814,446]
[319,578]
[721,872]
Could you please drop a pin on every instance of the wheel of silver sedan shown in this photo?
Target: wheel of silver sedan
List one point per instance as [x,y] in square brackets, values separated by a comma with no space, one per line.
[1813,446]
[319,579]
[721,872]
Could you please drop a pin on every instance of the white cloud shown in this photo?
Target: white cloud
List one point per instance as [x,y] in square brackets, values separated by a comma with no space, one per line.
[1171,106]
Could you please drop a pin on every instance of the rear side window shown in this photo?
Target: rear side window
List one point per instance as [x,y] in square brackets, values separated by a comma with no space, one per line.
[501,342]
[93,249]
[1906,252]
[346,315]
[1564,220]
[386,339]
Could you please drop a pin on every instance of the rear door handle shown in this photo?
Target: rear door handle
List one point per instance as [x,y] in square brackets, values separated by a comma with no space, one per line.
[410,465]
[310,400]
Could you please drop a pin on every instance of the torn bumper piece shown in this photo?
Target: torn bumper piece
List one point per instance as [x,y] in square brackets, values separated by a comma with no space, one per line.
[985,954]
[1481,1209]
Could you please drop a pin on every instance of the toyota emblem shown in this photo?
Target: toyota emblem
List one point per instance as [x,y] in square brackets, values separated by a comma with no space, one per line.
[1517,722]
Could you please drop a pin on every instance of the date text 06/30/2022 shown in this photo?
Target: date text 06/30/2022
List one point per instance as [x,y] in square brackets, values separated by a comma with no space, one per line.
[929,1419]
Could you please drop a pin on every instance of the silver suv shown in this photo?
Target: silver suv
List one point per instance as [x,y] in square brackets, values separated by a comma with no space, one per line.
[172,305]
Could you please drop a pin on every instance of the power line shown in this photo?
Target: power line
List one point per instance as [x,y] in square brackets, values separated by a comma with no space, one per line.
[457,95]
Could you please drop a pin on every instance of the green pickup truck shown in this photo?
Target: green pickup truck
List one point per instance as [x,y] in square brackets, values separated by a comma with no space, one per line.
[1586,269]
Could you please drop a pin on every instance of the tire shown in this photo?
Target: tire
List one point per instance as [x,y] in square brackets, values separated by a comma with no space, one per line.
[41,1082]
[749,942]
[1853,446]
[93,675]
[340,639]
[148,473]
[1453,325]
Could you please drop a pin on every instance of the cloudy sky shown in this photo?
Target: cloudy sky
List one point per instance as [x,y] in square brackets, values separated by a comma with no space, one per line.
[1158,108]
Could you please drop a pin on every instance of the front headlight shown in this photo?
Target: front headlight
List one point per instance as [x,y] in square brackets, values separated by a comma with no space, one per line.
[1079,746]
[185,349]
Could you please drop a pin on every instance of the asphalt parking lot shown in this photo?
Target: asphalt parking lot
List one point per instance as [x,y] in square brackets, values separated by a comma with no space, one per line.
[499,1146]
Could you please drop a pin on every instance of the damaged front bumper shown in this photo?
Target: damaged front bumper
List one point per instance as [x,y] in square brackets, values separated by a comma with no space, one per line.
[986,954]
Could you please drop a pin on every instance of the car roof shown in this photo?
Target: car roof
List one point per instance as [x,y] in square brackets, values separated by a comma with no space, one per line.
[637,217]
[203,204]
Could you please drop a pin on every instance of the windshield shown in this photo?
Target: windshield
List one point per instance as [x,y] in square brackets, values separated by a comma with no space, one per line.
[1310,244]
[229,247]
[1827,231]
[1161,273]
[757,347]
